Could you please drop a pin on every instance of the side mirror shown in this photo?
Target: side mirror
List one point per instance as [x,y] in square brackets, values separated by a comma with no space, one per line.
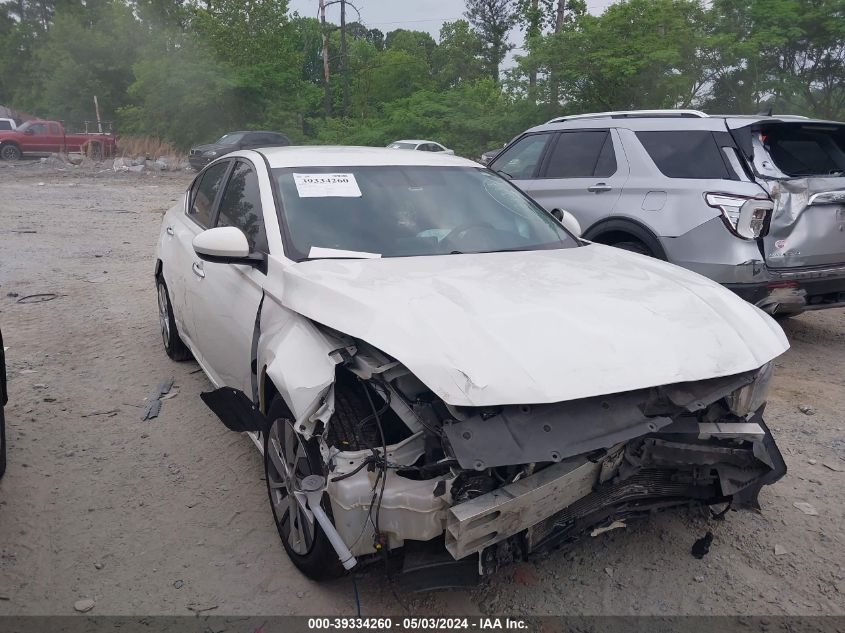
[223,245]
[568,220]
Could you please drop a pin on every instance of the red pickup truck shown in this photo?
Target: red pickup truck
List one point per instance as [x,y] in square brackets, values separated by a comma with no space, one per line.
[47,137]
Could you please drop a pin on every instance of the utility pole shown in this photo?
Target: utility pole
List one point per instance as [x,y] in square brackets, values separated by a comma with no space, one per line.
[327,98]
[344,74]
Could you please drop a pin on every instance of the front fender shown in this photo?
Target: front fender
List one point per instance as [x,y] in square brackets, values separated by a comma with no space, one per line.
[298,359]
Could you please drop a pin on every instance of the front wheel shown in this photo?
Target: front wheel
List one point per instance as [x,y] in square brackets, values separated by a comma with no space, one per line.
[10,152]
[173,345]
[288,459]
[634,246]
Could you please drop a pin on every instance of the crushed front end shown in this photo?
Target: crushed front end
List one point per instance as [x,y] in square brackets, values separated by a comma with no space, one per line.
[494,484]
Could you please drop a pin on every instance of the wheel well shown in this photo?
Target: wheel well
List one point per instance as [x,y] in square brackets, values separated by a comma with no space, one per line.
[615,231]
[4,143]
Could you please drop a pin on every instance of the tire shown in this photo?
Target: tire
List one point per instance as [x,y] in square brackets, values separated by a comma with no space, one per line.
[10,152]
[2,441]
[304,541]
[173,345]
[634,246]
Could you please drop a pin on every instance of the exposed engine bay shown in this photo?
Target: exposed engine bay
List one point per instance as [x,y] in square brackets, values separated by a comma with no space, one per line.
[399,465]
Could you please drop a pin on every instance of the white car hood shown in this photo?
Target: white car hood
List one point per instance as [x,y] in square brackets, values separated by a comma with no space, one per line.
[538,326]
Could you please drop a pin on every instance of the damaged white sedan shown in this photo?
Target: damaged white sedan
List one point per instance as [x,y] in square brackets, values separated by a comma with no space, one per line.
[434,366]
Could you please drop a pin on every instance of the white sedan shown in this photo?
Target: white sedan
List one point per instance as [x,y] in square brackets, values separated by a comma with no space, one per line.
[421,146]
[428,359]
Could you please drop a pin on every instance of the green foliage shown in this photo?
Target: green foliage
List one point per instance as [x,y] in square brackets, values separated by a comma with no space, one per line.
[189,70]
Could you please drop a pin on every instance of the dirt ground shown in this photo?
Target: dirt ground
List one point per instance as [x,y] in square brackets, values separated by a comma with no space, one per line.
[170,516]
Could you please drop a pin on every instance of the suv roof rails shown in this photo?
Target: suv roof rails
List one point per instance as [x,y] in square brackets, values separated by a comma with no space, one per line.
[633,114]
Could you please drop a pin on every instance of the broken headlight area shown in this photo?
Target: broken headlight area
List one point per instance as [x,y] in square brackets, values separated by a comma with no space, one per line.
[497,483]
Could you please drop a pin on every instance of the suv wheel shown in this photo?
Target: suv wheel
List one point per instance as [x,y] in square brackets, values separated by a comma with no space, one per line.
[635,247]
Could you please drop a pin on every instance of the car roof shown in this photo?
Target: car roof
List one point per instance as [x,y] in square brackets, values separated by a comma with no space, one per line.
[415,140]
[347,156]
[646,121]
[253,132]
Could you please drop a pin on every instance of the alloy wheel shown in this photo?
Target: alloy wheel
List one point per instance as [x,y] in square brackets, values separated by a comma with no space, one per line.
[164,314]
[288,464]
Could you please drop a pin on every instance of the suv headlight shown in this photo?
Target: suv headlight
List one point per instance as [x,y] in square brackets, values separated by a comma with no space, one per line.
[210,153]
[748,399]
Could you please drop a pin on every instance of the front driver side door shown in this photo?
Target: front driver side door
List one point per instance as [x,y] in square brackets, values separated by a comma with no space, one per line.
[228,295]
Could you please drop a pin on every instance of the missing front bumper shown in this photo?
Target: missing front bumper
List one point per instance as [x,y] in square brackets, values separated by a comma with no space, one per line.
[659,471]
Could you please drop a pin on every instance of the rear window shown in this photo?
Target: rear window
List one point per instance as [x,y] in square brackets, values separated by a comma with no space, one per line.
[5,125]
[686,154]
[801,151]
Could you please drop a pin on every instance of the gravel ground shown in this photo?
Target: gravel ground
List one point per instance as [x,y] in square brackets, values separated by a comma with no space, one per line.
[170,516]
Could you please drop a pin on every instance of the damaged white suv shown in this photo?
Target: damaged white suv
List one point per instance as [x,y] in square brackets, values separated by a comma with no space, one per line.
[430,362]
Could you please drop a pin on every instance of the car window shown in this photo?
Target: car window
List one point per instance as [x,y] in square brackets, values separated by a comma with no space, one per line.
[230,139]
[521,159]
[686,154]
[278,139]
[434,147]
[54,128]
[5,125]
[38,128]
[240,206]
[402,146]
[205,193]
[579,154]
[805,151]
[408,211]
[253,139]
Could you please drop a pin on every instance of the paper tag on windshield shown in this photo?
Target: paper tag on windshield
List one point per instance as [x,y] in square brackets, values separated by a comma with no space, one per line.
[327,186]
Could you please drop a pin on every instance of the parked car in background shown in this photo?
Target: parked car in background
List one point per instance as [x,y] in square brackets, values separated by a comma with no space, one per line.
[422,146]
[756,203]
[38,138]
[469,379]
[4,398]
[201,155]
[7,125]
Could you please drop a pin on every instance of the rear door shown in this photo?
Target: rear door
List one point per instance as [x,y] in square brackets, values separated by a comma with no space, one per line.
[802,166]
[583,172]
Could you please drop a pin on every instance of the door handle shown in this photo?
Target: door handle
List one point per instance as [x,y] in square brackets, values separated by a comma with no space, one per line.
[197,268]
[599,187]
[170,230]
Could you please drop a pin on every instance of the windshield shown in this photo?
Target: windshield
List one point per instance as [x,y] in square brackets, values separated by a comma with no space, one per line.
[402,146]
[230,139]
[402,211]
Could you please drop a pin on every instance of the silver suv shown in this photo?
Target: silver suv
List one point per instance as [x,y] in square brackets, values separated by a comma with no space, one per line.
[756,203]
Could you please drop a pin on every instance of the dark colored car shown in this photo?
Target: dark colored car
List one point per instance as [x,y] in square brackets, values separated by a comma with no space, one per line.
[201,155]
[3,399]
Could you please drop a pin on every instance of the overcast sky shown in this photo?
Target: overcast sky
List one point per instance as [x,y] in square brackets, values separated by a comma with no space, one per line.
[417,15]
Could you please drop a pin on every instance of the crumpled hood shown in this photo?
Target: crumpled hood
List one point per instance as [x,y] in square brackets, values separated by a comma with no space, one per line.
[538,326]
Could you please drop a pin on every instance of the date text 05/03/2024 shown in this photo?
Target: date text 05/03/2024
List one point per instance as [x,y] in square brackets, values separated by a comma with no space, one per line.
[418,624]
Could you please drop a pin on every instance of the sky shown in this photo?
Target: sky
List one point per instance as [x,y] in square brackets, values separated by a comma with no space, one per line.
[416,15]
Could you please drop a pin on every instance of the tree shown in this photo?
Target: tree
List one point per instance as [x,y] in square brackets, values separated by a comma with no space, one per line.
[457,59]
[492,20]
[638,54]
[790,54]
